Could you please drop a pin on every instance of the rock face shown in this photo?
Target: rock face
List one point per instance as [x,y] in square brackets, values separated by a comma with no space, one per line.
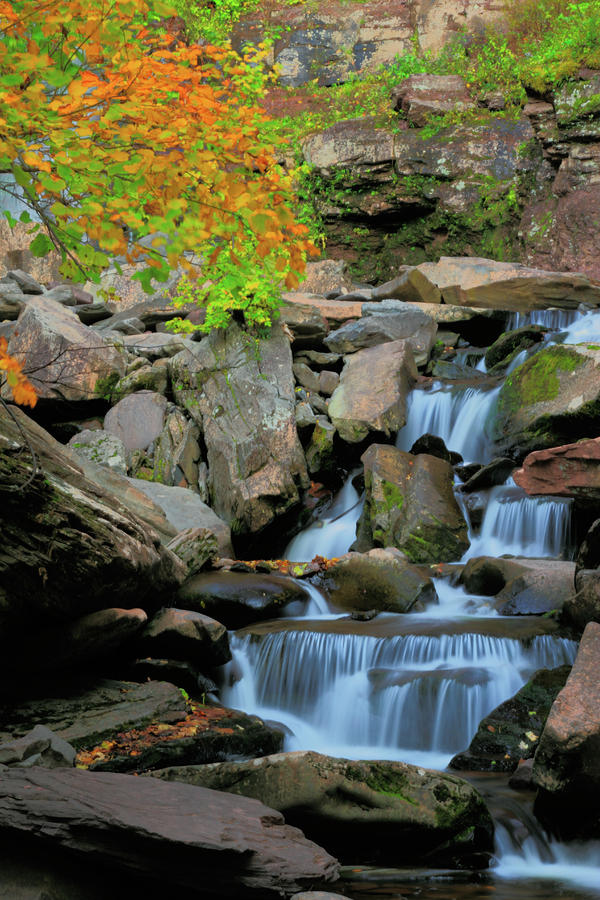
[183,634]
[356,408]
[380,580]
[411,325]
[549,397]
[421,96]
[410,505]
[67,360]
[511,731]
[241,393]
[245,848]
[584,607]
[368,811]
[569,471]
[68,545]
[567,762]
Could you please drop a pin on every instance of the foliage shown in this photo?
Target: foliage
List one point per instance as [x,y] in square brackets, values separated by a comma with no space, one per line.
[128,144]
[22,390]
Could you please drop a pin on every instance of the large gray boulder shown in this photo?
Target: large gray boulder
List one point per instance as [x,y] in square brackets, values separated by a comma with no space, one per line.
[410,504]
[240,390]
[66,360]
[166,831]
[356,409]
[137,419]
[386,812]
[411,325]
[69,546]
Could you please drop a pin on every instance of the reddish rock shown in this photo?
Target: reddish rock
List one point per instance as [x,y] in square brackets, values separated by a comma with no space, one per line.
[423,96]
[584,607]
[572,470]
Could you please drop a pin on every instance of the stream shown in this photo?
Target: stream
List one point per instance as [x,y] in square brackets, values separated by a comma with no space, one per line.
[414,687]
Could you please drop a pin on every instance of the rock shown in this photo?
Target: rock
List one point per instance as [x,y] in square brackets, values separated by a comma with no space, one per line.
[66,361]
[319,895]
[318,360]
[196,547]
[12,301]
[137,419]
[239,599]
[381,580]
[241,393]
[474,325]
[410,505]
[306,377]
[412,286]
[494,473]
[368,811]
[154,346]
[355,410]
[99,635]
[423,96]
[177,453]
[26,282]
[145,378]
[511,732]
[432,445]
[584,606]
[328,381]
[320,453]
[548,400]
[183,674]
[68,543]
[246,849]
[588,556]
[567,764]
[522,777]
[102,448]
[186,635]
[508,345]
[85,716]
[487,575]
[416,329]
[326,275]
[40,747]
[572,470]
[305,321]
[185,510]
[472,281]
[305,417]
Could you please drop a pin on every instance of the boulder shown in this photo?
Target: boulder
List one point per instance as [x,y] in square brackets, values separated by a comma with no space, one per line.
[320,453]
[138,419]
[487,575]
[84,716]
[40,747]
[366,812]
[325,276]
[355,409]
[66,361]
[508,345]
[588,556]
[240,390]
[478,326]
[145,378]
[68,544]
[494,473]
[308,316]
[572,470]
[472,281]
[432,445]
[26,282]
[511,732]
[177,454]
[381,580]
[245,848]
[196,547]
[567,762]
[237,599]
[583,606]
[548,400]
[538,591]
[186,635]
[410,505]
[305,377]
[411,286]
[422,96]
[416,328]
[184,510]
[102,448]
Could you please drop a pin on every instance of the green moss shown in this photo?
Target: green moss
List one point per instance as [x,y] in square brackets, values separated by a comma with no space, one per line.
[536,380]
[106,386]
[383,780]
[393,497]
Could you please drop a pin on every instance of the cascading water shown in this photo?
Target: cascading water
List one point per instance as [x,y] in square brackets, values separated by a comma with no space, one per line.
[332,535]
[553,319]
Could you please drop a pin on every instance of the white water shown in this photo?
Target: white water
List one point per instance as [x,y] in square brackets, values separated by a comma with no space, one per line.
[553,319]
[332,535]
[575,863]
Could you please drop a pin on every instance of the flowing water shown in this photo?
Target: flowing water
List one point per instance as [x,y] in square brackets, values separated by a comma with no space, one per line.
[415,687]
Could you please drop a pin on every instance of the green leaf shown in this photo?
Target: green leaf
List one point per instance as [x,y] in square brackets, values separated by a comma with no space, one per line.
[41,245]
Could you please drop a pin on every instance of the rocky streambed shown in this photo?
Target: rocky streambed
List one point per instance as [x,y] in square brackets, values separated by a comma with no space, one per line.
[310,581]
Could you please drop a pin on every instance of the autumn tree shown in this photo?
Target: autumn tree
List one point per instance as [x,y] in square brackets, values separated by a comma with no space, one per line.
[115,133]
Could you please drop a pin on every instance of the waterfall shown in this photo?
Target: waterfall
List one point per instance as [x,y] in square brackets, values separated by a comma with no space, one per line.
[553,319]
[456,414]
[333,534]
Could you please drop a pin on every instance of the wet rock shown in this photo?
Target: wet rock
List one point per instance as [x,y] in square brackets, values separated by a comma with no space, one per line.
[538,591]
[320,453]
[411,286]
[472,281]
[567,763]
[588,556]
[84,716]
[237,599]
[550,399]
[423,96]
[495,472]
[40,747]
[467,471]
[246,849]
[572,470]
[487,575]
[366,812]
[177,452]
[511,732]
[240,391]
[381,580]
[196,547]
[432,445]
[416,328]
[583,606]
[355,410]
[69,545]
[66,360]
[102,448]
[508,345]
[410,505]
[178,672]
[186,635]
[138,419]
[522,777]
